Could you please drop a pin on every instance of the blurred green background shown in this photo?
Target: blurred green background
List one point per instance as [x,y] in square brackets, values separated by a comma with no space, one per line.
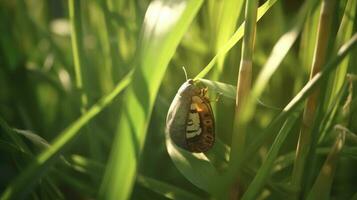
[54,68]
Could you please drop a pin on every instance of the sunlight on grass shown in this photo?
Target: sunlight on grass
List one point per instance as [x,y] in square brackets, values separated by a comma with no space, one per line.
[85,89]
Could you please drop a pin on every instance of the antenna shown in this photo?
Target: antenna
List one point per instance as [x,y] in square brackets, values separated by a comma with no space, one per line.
[184,70]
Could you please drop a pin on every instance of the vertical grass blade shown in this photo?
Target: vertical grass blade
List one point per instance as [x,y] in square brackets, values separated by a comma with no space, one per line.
[281,49]
[224,27]
[164,25]
[344,32]
[243,92]
[277,55]
[305,136]
[243,82]
[238,34]
[77,48]
[308,38]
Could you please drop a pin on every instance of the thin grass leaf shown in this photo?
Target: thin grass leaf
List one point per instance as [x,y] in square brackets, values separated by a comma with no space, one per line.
[34,138]
[344,33]
[229,91]
[77,48]
[322,186]
[239,134]
[304,92]
[23,183]
[311,112]
[288,159]
[226,90]
[265,170]
[14,137]
[165,189]
[280,50]
[225,19]
[308,39]
[327,122]
[234,39]
[164,25]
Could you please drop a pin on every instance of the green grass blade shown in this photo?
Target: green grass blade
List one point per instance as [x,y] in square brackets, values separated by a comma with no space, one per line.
[244,82]
[88,166]
[195,167]
[304,92]
[265,170]
[18,142]
[226,90]
[280,50]
[234,39]
[165,189]
[225,19]
[77,48]
[28,177]
[344,33]
[164,25]
[322,186]
[34,138]
[308,39]
[332,111]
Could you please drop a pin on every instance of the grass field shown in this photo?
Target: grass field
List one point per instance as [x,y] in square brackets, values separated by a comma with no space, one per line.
[85,88]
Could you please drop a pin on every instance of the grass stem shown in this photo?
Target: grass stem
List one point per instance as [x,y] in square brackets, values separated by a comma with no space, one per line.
[305,136]
[243,83]
[78,53]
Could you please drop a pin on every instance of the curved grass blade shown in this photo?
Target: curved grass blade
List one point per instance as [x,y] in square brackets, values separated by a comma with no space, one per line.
[14,137]
[226,90]
[164,25]
[265,170]
[34,138]
[195,166]
[234,39]
[322,186]
[40,165]
[277,55]
[224,15]
[304,92]
[280,50]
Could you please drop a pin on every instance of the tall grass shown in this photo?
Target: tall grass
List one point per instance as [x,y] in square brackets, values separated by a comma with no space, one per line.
[85,87]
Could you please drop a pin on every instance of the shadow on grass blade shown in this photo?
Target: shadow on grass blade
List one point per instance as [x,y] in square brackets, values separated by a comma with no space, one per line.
[164,26]
[194,166]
